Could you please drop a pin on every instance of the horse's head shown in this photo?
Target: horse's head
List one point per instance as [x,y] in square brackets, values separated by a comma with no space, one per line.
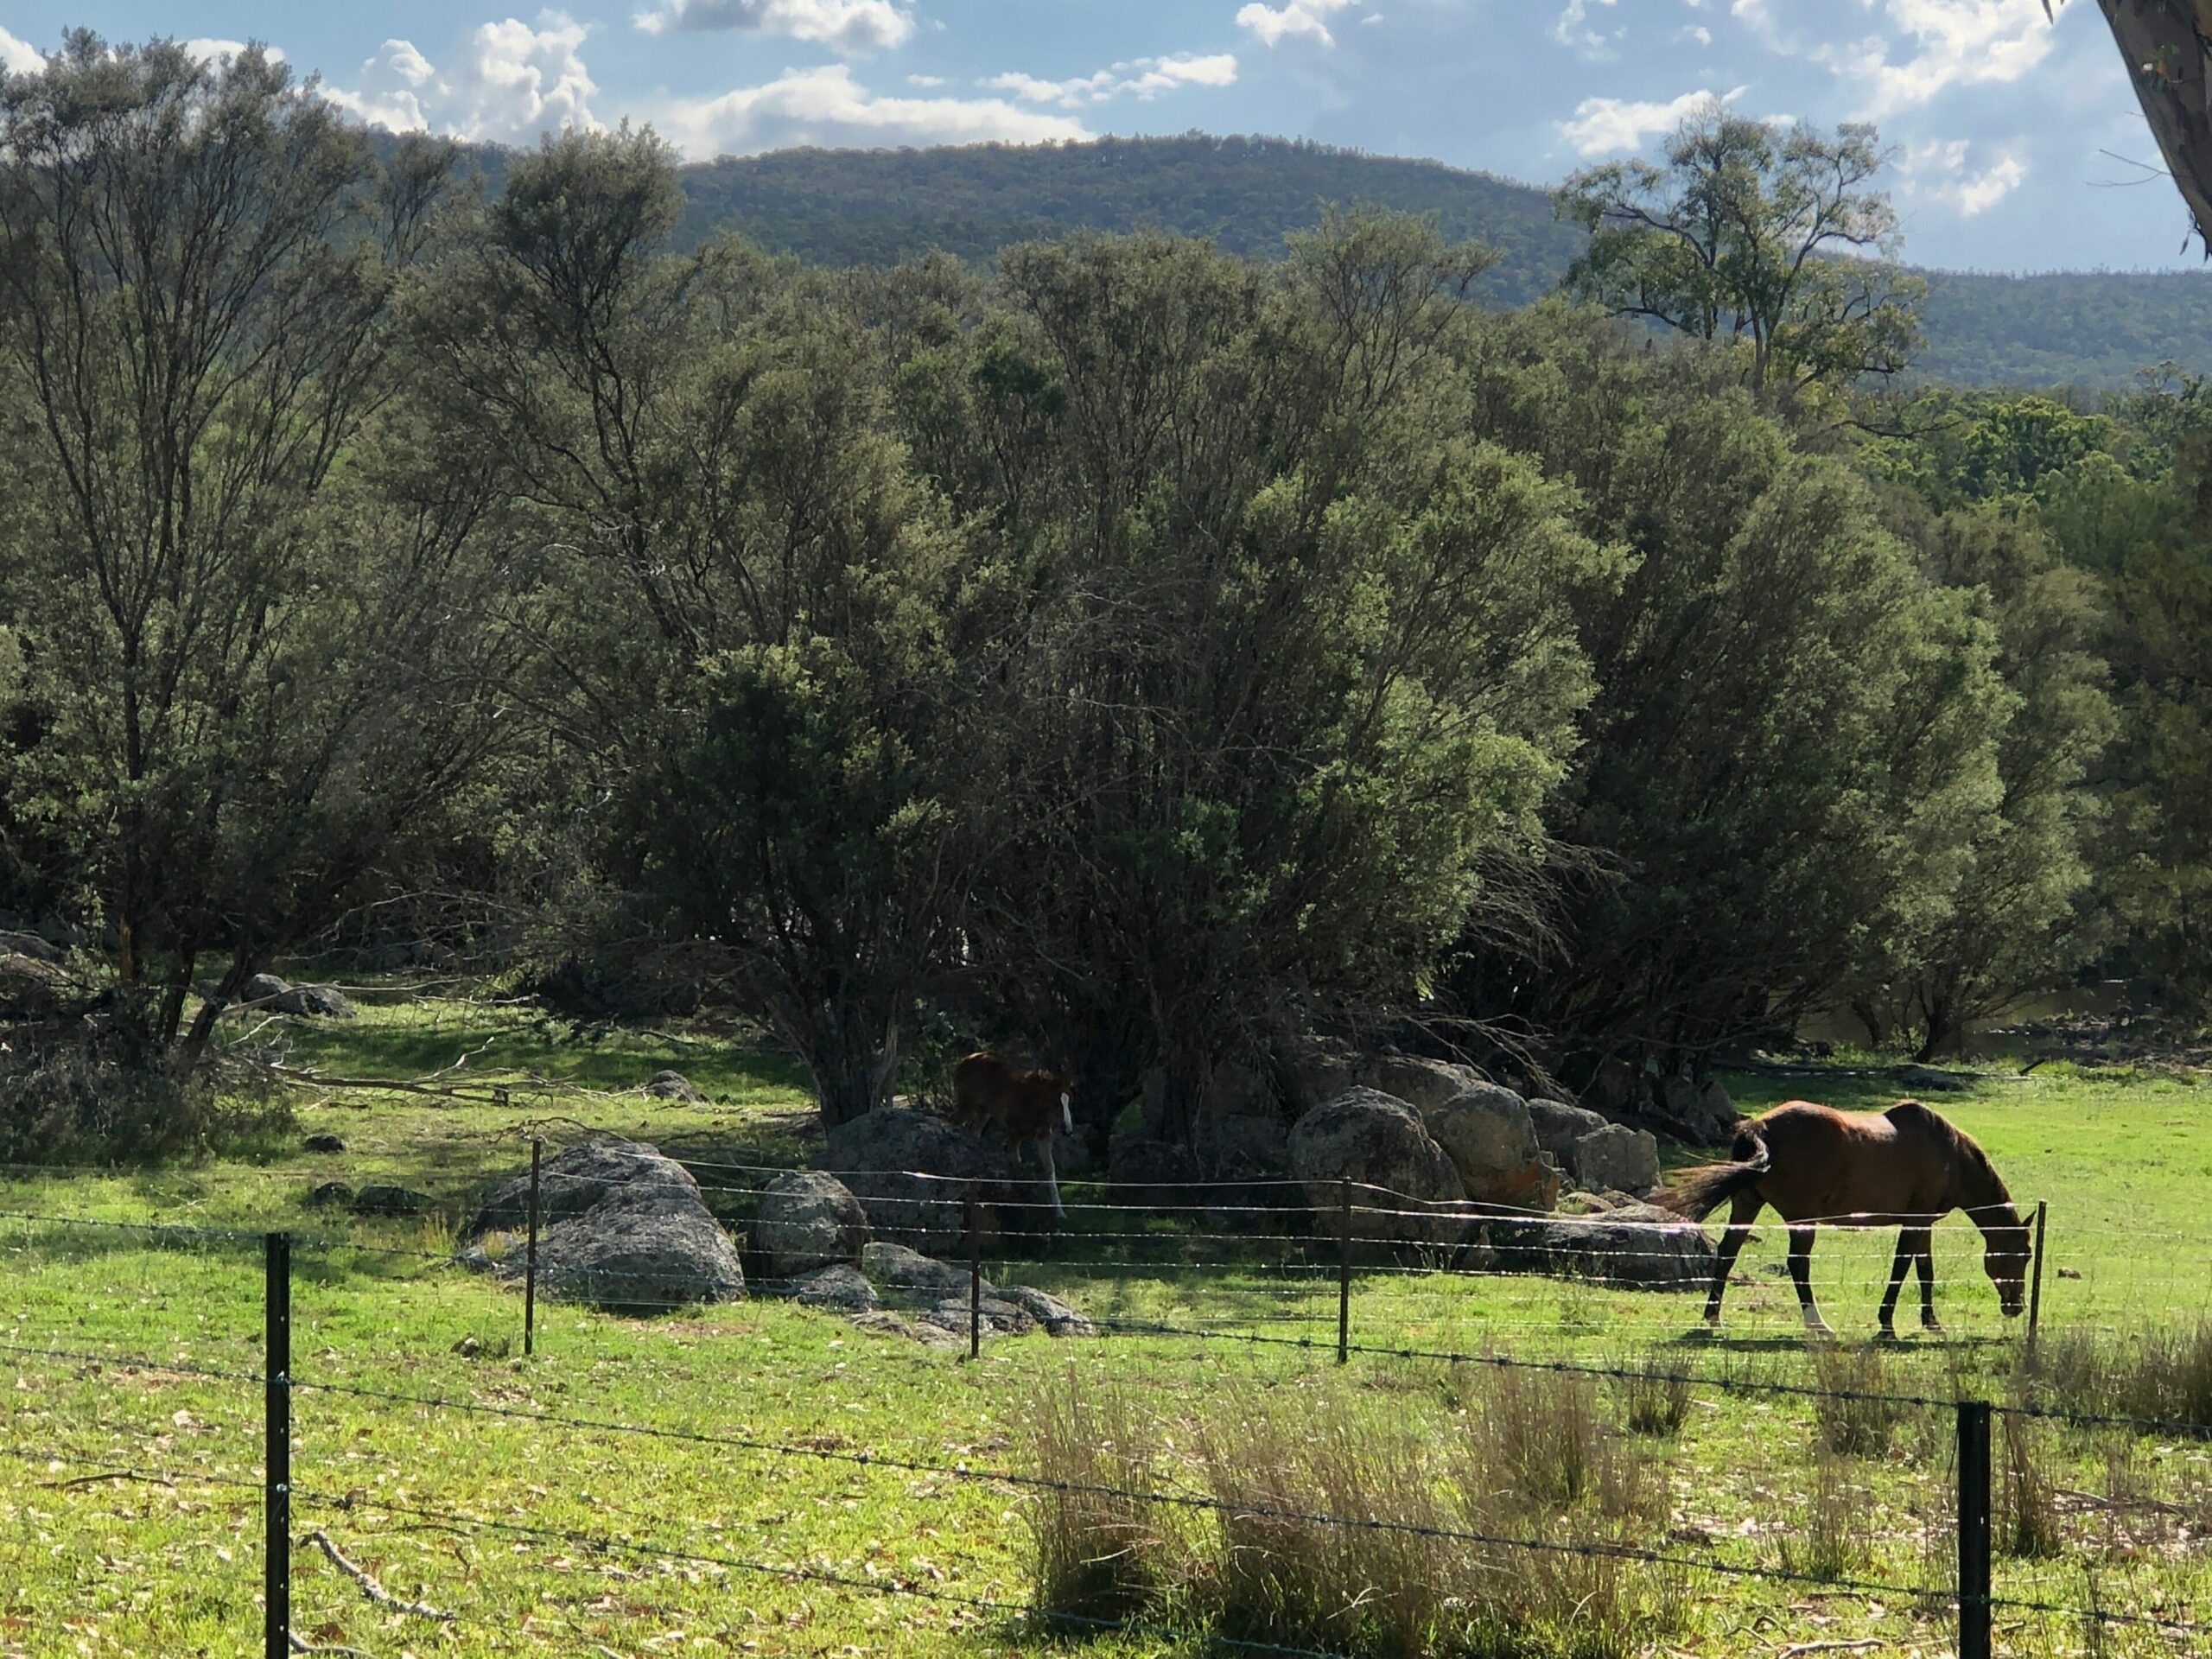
[2005,1257]
[1064,1087]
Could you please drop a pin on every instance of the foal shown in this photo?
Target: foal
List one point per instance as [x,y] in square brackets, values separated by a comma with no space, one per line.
[1906,1167]
[1026,1106]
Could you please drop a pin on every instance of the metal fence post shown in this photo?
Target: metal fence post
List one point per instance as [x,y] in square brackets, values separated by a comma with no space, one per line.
[276,1451]
[2035,1283]
[974,1282]
[1344,1271]
[1974,1529]
[529,1267]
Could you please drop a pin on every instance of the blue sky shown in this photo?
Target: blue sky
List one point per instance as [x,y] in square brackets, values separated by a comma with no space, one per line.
[1999,117]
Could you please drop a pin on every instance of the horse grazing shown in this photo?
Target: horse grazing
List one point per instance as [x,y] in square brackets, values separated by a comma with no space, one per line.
[1906,1167]
[1026,1106]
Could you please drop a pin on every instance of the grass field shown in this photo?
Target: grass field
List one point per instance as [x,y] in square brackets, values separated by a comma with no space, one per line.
[130,1511]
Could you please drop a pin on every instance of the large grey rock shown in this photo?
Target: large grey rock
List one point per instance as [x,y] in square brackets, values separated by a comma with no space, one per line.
[908,1276]
[1703,1109]
[1487,1132]
[884,1323]
[581,1179]
[1377,1142]
[808,1220]
[639,1260]
[1422,1084]
[1640,1245]
[671,1085]
[1614,1158]
[620,1227]
[265,989]
[840,1287]
[1314,1071]
[383,1199]
[323,1002]
[32,989]
[912,1172]
[1558,1126]
[1055,1315]
[994,1316]
[15,944]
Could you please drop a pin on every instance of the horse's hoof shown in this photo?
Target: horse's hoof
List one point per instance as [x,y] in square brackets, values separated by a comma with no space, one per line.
[1885,1334]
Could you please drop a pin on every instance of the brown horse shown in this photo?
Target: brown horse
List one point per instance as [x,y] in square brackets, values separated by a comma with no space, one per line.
[1026,1106]
[1906,1167]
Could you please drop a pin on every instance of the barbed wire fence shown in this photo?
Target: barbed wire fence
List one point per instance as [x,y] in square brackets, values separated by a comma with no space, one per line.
[1970,1599]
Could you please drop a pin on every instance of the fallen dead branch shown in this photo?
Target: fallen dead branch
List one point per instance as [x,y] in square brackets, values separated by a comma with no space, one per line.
[367,1581]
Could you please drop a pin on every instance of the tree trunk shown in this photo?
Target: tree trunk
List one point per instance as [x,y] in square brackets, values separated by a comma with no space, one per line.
[1871,1017]
[852,1059]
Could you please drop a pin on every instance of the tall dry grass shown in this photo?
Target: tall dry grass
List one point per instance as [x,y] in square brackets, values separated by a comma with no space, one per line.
[1097,1550]
[1336,1525]
[2164,1376]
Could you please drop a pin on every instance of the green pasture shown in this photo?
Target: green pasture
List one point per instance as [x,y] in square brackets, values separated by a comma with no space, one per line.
[129,1518]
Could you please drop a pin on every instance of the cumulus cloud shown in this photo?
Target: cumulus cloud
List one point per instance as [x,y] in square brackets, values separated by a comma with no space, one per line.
[826,106]
[1950,42]
[1143,77]
[1938,171]
[1607,126]
[1572,29]
[19,57]
[513,81]
[846,26]
[1697,32]
[1309,18]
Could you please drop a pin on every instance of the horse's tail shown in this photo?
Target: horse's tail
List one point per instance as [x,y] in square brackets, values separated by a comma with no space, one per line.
[1696,1193]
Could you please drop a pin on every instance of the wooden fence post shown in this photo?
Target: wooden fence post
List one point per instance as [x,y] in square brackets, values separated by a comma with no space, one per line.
[2035,1283]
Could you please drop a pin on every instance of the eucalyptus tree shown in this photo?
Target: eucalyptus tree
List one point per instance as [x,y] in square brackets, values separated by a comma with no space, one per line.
[1287,670]
[252,628]
[1793,744]
[755,701]
[1753,233]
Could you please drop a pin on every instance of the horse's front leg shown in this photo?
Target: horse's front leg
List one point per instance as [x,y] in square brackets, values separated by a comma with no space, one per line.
[1925,1249]
[1740,1216]
[1052,1179]
[1898,1268]
[1800,1272]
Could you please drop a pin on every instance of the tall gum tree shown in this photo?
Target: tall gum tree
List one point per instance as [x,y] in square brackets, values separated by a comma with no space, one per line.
[248,642]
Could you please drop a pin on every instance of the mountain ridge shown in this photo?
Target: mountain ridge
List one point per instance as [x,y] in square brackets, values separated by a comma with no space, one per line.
[2091,328]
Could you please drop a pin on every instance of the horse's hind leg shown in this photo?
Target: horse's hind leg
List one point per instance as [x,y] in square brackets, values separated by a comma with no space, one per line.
[1898,1268]
[1925,1246]
[1740,1214]
[1800,1272]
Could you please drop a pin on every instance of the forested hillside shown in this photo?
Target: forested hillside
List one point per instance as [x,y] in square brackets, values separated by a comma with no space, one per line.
[878,206]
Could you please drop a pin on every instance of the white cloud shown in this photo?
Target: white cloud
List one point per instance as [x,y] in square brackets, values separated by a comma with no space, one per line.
[1607,126]
[1143,77]
[19,57]
[1275,24]
[209,50]
[847,26]
[1754,15]
[826,106]
[1572,29]
[1953,42]
[514,82]
[1937,171]
[1697,32]
[926,80]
